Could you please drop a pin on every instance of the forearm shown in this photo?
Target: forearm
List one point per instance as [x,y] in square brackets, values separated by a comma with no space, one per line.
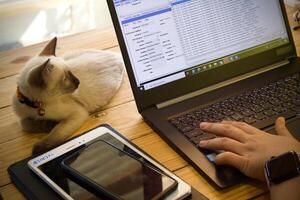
[289,189]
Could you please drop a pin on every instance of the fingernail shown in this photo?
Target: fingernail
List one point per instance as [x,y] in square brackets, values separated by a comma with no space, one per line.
[203,125]
[202,143]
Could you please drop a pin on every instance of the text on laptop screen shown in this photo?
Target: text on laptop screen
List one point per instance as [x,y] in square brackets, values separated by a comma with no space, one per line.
[168,40]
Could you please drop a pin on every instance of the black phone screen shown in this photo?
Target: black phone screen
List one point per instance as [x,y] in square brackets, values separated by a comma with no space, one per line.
[114,171]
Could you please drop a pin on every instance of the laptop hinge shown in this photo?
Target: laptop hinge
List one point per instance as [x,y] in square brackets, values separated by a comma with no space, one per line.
[221,84]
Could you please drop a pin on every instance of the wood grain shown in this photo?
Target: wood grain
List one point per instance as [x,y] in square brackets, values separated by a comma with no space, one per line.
[10,192]
[245,190]
[264,196]
[9,126]
[7,89]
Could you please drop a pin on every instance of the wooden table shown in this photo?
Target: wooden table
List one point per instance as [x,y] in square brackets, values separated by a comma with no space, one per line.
[121,113]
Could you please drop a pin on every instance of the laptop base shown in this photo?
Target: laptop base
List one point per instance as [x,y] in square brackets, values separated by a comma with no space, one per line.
[222,176]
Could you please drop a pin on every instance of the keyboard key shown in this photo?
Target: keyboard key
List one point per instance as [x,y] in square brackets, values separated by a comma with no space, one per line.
[249,120]
[227,112]
[278,109]
[194,133]
[270,113]
[259,116]
[246,112]
[187,129]
[275,101]
[237,108]
[267,105]
[237,117]
[285,98]
[256,108]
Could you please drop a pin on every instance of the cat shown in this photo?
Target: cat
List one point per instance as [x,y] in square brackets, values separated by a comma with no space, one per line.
[57,94]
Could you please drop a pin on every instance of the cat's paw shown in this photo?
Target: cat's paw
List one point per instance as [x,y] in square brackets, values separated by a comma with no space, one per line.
[40,147]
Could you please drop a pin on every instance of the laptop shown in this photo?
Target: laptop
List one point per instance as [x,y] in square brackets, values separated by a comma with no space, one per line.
[190,61]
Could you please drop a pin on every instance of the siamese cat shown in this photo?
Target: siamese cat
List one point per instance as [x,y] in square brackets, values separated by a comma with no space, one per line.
[57,94]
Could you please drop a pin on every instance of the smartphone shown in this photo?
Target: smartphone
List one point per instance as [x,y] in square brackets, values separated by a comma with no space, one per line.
[110,172]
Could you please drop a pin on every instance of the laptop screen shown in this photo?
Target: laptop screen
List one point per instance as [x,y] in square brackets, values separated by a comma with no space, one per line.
[168,40]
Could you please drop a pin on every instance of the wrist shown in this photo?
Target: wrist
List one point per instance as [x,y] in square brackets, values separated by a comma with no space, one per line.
[286,190]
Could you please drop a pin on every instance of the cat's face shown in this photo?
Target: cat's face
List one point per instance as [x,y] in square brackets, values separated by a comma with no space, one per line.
[53,76]
[48,75]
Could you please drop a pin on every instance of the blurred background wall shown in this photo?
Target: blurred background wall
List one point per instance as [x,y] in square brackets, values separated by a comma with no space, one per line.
[24,22]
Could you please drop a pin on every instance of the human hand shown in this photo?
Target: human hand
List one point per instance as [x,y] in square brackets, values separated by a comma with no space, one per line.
[246,147]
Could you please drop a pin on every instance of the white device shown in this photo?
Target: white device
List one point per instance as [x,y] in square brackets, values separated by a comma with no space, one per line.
[47,165]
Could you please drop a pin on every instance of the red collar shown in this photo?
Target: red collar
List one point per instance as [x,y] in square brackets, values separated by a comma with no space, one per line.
[33,104]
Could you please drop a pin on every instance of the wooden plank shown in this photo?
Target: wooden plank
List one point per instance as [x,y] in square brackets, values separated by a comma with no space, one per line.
[9,126]
[10,192]
[161,151]
[265,196]
[13,151]
[12,61]
[246,190]
[7,90]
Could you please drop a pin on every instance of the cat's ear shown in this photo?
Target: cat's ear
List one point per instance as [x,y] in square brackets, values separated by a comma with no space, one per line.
[39,75]
[50,48]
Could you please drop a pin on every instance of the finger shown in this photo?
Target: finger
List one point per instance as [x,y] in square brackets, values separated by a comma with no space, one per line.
[223,143]
[232,159]
[281,128]
[244,126]
[226,130]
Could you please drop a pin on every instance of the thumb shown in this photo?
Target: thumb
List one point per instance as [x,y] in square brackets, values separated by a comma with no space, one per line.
[281,128]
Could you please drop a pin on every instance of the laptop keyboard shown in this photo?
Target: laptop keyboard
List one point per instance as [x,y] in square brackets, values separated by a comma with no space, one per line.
[259,107]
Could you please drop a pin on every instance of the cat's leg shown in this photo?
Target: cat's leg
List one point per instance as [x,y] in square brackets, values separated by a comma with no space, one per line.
[37,125]
[62,131]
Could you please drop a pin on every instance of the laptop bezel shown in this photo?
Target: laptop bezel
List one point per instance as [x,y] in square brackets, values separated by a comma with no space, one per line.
[148,98]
